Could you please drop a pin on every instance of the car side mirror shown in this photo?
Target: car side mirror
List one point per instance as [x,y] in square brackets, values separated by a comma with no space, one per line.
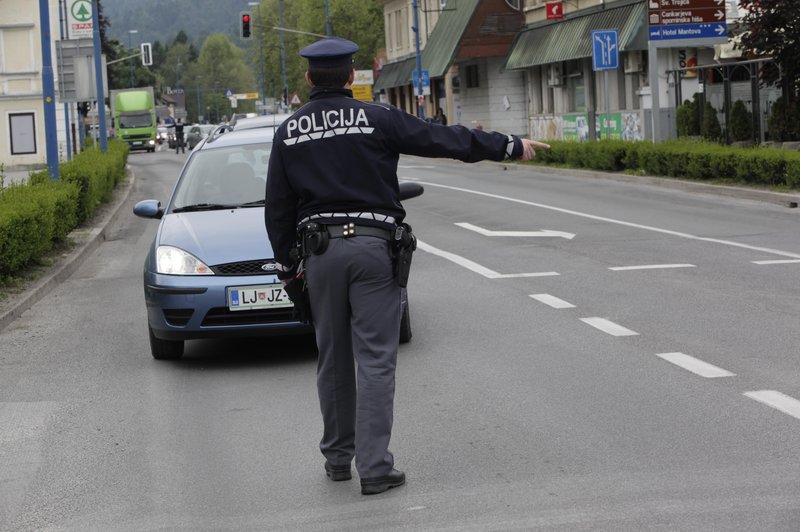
[148,208]
[409,189]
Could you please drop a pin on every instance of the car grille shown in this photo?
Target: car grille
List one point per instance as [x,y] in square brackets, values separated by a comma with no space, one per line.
[250,267]
[178,316]
[220,316]
[144,136]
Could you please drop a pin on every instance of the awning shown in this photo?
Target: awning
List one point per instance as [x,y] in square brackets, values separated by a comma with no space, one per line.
[395,74]
[442,45]
[571,38]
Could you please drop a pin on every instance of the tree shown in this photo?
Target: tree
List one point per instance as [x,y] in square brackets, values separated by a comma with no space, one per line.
[710,128]
[220,67]
[773,29]
[741,127]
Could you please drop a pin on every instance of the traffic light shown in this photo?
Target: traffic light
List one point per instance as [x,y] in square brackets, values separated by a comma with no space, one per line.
[147,54]
[244,24]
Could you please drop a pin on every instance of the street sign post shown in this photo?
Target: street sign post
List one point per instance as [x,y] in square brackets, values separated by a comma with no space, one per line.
[605,57]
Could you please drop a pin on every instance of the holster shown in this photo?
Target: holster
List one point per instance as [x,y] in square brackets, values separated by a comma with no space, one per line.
[298,293]
[313,239]
[403,246]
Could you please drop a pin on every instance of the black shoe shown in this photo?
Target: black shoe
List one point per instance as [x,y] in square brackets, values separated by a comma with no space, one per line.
[373,486]
[338,472]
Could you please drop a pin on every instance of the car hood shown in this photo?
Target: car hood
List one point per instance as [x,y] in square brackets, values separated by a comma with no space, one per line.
[218,237]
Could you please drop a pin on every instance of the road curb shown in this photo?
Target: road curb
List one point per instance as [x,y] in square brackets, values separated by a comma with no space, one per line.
[88,239]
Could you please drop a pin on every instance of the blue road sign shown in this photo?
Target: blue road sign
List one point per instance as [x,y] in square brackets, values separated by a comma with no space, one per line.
[605,50]
[689,31]
[426,78]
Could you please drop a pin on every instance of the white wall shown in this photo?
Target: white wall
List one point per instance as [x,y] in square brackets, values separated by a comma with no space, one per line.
[499,103]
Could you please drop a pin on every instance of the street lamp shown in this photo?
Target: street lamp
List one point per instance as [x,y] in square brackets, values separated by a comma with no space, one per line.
[177,73]
[260,27]
[130,45]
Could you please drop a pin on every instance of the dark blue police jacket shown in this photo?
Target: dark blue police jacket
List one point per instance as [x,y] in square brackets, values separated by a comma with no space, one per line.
[339,155]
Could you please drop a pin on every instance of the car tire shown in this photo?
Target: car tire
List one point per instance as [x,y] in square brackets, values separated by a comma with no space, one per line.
[405,325]
[165,349]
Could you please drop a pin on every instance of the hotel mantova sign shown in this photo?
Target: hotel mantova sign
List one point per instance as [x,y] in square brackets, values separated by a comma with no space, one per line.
[79,19]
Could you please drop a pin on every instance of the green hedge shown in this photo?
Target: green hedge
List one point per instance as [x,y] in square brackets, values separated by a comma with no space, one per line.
[36,214]
[684,159]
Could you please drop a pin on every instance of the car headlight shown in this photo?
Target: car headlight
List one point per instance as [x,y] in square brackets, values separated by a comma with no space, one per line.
[173,261]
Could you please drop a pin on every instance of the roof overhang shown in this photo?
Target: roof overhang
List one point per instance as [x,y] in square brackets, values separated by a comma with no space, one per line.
[568,39]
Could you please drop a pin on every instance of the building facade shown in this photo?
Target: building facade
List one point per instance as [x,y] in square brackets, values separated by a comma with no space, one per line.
[519,66]
[22,132]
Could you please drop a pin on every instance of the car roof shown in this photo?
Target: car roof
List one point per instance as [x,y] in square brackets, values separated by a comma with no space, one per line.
[223,137]
[259,121]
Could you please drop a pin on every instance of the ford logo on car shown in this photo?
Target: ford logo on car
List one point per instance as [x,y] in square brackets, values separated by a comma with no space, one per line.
[269,267]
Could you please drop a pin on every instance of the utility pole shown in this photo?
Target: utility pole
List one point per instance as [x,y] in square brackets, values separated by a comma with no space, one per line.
[328,31]
[261,54]
[48,92]
[98,76]
[130,46]
[285,90]
[420,99]
[61,23]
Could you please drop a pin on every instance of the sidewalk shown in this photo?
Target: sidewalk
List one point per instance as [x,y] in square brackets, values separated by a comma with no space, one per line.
[84,240]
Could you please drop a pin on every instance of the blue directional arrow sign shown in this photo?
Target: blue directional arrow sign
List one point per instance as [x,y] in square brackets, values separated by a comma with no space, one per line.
[605,50]
[689,31]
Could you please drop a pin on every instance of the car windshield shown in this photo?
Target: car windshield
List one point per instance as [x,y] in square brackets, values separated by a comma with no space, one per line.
[131,120]
[221,178]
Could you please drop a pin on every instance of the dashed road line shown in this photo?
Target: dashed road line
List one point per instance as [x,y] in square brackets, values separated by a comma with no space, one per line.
[777,400]
[609,327]
[651,267]
[552,301]
[695,365]
[787,261]
[474,266]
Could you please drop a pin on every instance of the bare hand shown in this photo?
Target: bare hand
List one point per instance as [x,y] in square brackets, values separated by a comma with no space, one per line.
[529,148]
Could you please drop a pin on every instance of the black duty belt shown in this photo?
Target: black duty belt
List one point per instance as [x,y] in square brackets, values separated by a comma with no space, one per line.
[351,229]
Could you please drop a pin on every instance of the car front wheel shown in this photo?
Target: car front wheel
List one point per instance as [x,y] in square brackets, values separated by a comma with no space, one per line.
[165,349]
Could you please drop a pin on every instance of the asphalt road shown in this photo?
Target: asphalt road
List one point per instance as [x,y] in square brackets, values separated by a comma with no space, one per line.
[587,355]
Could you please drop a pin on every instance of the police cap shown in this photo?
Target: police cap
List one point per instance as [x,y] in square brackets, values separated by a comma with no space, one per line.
[331,52]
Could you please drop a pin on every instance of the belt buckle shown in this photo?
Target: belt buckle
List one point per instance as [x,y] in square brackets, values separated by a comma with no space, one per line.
[349,230]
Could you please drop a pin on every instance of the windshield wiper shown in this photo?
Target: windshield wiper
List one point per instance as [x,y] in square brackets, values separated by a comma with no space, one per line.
[204,207]
[256,203]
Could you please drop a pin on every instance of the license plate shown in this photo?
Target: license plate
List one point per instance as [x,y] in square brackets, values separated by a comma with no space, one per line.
[138,143]
[261,296]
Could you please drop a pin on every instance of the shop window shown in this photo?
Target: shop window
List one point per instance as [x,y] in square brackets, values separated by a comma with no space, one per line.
[23,133]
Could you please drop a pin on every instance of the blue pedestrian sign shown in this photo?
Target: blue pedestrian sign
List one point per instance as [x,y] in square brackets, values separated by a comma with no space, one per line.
[605,50]
[423,75]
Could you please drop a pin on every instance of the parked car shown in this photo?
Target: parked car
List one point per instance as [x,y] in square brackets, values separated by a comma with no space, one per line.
[210,271]
[197,133]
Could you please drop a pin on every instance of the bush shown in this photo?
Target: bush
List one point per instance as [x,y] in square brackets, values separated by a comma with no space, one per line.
[685,118]
[710,128]
[40,212]
[741,126]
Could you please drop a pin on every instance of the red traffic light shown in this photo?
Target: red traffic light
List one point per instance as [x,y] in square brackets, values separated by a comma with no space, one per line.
[244,25]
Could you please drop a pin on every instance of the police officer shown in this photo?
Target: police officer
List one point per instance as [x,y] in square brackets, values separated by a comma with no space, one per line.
[179,145]
[333,170]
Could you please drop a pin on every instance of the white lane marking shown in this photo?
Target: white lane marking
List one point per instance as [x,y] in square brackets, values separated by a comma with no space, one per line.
[543,232]
[695,365]
[552,301]
[609,327]
[414,166]
[474,266]
[787,261]
[618,222]
[777,400]
[651,267]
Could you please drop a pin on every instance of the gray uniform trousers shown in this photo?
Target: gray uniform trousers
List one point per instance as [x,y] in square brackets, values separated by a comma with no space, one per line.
[355,304]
